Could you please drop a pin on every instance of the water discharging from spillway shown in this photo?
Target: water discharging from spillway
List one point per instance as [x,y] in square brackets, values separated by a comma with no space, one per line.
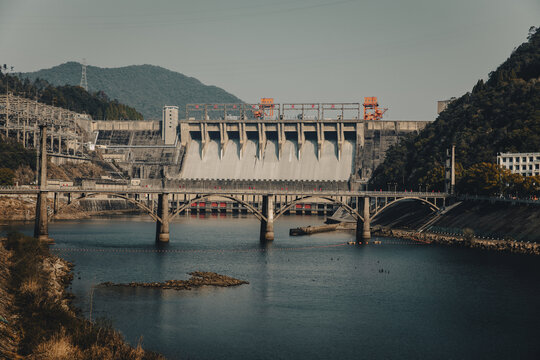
[251,166]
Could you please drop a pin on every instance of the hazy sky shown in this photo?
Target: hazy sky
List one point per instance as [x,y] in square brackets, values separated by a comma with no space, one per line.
[409,53]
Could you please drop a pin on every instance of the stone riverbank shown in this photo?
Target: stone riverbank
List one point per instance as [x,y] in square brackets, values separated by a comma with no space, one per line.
[519,247]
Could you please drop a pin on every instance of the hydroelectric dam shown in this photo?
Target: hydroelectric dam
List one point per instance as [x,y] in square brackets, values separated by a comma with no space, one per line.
[341,143]
[269,158]
[286,142]
[280,143]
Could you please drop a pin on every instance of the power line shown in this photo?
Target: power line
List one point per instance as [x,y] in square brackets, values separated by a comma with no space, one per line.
[84,83]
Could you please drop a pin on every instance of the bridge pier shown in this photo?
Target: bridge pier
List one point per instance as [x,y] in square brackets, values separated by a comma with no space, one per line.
[162,227]
[41,225]
[267,226]
[364,235]
[55,203]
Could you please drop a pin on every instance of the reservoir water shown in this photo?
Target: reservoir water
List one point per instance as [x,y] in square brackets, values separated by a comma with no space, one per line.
[309,297]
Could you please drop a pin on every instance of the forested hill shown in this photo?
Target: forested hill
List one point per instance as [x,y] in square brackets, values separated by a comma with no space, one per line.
[500,115]
[74,98]
[146,87]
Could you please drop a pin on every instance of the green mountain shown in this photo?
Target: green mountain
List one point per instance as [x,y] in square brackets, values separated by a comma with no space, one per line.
[145,87]
[500,115]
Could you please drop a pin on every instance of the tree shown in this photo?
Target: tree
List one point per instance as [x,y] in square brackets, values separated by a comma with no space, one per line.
[499,115]
[6,177]
[483,179]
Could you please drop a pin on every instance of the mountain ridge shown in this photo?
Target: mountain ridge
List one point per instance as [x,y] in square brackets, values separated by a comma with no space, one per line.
[145,87]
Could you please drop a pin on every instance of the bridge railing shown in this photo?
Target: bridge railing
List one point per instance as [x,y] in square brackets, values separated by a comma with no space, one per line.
[307,191]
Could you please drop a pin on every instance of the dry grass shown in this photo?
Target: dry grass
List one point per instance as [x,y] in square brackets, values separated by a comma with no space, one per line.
[31,286]
[59,347]
[49,328]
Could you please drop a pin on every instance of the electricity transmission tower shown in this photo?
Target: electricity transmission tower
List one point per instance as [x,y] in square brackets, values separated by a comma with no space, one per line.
[84,83]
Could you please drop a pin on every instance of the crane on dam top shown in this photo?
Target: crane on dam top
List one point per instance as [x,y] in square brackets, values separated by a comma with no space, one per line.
[266,109]
[372,110]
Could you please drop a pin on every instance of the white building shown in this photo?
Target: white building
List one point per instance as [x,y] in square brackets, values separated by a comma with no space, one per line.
[526,164]
[169,124]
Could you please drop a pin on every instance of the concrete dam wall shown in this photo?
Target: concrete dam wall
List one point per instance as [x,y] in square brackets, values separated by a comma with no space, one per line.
[230,161]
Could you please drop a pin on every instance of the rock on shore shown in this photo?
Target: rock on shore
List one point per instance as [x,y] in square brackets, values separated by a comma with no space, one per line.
[198,279]
[519,247]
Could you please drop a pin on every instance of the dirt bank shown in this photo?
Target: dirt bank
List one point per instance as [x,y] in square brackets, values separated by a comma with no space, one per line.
[22,208]
[37,320]
[17,209]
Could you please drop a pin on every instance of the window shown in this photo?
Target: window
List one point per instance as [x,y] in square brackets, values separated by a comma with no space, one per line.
[537,166]
[523,167]
[517,159]
[511,159]
[511,167]
[531,158]
[524,159]
[530,167]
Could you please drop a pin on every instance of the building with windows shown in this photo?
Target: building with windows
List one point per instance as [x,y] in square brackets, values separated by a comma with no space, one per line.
[526,164]
[169,124]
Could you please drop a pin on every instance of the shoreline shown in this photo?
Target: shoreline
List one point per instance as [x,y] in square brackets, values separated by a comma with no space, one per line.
[38,317]
[512,246]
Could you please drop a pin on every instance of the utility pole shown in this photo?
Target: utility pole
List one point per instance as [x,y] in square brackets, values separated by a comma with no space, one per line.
[449,171]
[7,102]
[453,171]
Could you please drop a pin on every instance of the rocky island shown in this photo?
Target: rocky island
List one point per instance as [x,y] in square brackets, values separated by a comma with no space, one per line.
[198,279]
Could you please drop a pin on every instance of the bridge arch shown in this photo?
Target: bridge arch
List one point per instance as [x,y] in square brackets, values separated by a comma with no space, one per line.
[259,215]
[432,206]
[284,208]
[115,195]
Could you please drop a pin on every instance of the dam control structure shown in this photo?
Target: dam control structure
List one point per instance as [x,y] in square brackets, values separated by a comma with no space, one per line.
[337,142]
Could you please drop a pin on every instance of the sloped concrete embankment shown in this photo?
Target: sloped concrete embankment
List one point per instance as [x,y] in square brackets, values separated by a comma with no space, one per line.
[483,225]
[520,222]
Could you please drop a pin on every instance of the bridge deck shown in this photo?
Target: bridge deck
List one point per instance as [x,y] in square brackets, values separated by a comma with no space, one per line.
[212,191]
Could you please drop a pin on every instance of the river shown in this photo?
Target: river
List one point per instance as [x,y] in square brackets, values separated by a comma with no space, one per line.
[310,297]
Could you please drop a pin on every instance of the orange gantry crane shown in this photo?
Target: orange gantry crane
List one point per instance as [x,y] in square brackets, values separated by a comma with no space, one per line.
[372,110]
[266,108]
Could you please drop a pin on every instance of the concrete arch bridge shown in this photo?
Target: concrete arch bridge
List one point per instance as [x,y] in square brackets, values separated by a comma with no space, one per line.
[165,204]
[362,205]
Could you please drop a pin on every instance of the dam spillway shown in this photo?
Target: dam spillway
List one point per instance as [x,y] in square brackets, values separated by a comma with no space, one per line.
[301,146]
[252,163]
[299,142]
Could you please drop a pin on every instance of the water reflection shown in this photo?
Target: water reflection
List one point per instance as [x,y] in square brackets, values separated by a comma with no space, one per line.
[304,300]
